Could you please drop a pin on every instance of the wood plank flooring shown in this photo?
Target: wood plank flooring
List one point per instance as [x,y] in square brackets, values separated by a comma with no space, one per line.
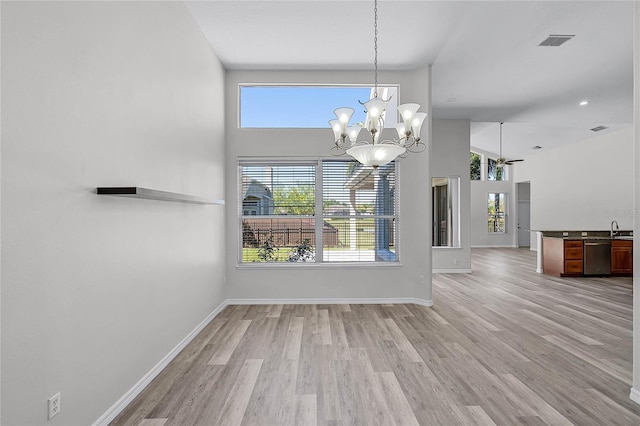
[501,346]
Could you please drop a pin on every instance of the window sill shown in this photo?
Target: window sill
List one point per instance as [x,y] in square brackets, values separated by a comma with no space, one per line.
[445,248]
[314,265]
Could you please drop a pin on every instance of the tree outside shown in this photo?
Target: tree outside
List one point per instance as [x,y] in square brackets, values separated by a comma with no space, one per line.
[474,163]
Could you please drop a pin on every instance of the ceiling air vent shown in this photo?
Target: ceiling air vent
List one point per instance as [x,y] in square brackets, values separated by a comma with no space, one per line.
[536,147]
[555,40]
[597,129]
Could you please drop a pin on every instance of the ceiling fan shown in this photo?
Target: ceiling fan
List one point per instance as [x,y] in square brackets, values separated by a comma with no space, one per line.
[501,161]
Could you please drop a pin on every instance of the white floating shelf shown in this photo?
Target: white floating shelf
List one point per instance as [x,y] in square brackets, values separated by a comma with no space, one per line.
[152,194]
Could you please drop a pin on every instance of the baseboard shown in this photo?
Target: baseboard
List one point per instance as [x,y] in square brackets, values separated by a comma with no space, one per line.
[330,301]
[635,395]
[126,399]
[451,271]
[495,246]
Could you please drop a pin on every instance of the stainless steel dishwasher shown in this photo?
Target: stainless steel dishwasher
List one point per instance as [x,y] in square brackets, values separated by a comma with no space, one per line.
[597,257]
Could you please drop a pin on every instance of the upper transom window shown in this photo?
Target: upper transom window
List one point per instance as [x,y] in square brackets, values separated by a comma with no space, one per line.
[307,107]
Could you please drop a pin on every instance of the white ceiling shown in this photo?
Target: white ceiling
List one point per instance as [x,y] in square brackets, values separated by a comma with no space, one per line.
[487,65]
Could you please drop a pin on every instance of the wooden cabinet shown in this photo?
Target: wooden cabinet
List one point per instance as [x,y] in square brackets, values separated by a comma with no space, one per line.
[621,257]
[562,258]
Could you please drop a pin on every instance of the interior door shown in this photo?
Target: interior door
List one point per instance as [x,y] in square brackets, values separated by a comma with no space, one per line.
[524,223]
[523,190]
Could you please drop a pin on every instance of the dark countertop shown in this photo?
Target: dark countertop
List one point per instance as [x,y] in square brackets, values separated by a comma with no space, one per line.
[591,235]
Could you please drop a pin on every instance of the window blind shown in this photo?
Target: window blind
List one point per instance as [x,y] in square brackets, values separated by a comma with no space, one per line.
[280,213]
[360,205]
[277,212]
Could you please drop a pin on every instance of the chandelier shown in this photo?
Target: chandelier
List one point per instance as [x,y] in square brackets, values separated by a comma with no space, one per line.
[372,151]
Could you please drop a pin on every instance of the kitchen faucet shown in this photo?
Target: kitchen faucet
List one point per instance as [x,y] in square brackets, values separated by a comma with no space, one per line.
[617,231]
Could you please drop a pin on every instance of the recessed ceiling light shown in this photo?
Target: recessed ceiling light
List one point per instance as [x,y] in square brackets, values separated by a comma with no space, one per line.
[584,103]
[599,128]
[536,147]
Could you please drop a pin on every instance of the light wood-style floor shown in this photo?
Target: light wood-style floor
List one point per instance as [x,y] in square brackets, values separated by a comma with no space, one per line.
[503,346]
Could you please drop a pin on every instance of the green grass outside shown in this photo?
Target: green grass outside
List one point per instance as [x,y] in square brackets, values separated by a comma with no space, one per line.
[365,239]
[365,232]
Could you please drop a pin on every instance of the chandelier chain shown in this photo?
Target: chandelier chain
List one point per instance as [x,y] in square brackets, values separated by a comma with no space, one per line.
[371,151]
[375,48]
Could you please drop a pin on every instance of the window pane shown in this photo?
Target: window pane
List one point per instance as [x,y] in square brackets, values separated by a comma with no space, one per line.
[352,189]
[474,165]
[360,239]
[496,213]
[278,190]
[494,172]
[307,106]
[279,240]
[354,201]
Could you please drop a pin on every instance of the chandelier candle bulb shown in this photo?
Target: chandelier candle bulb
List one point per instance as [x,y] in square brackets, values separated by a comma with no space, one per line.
[408,112]
[344,115]
[375,107]
[335,126]
[353,132]
[417,124]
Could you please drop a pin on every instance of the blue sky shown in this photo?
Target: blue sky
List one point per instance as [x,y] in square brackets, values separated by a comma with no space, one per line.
[298,106]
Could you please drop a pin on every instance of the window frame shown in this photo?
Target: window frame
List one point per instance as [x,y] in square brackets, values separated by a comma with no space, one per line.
[505,213]
[318,216]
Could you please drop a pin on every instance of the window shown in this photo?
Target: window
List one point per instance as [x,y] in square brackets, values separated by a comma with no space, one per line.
[273,106]
[494,172]
[474,165]
[286,215]
[496,208]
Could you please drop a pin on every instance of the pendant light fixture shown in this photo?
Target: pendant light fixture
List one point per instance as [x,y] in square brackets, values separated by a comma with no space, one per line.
[372,151]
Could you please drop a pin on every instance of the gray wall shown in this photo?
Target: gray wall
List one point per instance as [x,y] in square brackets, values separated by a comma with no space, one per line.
[96,290]
[330,281]
[450,157]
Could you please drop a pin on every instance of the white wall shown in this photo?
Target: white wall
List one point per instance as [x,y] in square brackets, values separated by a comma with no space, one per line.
[95,289]
[332,282]
[450,157]
[583,186]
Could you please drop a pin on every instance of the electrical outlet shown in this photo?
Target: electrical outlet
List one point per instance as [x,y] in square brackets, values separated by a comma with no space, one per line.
[421,279]
[565,234]
[456,261]
[54,405]
[584,234]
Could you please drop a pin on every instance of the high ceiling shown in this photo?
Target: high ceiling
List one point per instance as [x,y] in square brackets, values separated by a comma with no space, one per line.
[487,63]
